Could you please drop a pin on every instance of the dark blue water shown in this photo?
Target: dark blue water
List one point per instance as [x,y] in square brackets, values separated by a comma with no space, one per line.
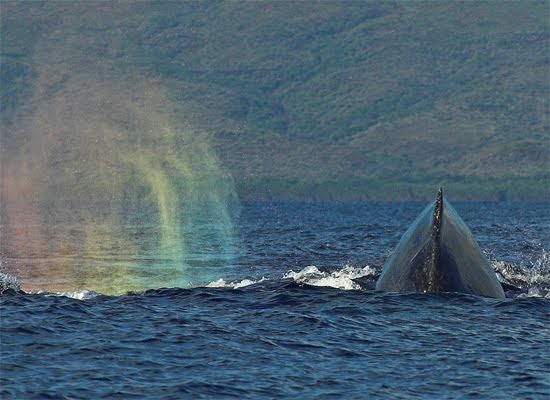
[316,332]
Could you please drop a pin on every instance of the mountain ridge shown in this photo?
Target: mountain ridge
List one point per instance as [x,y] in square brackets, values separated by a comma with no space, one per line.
[331,100]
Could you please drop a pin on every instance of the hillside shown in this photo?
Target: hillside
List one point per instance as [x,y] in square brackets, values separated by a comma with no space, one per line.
[332,100]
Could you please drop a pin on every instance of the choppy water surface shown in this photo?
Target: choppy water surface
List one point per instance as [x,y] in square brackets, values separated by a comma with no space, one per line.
[292,314]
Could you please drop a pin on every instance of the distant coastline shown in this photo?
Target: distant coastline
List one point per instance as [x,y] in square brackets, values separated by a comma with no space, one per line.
[536,190]
[367,101]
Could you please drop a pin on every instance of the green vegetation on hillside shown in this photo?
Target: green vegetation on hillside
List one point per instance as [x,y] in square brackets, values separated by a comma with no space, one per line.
[303,99]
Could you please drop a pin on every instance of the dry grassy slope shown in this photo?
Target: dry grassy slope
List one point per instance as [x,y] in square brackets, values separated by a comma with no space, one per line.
[354,99]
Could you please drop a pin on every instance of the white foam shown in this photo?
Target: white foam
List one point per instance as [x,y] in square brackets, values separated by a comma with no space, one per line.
[534,275]
[535,292]
[221,283]
[339,279]
[536,272]
[8,282]
[79,295]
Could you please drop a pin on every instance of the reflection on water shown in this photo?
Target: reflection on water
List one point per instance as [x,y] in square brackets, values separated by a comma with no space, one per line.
[118,255]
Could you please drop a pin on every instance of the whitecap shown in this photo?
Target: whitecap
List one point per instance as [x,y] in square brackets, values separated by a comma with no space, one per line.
[339,279]
[78,295]
[8,282]
[533,276]
[221,283]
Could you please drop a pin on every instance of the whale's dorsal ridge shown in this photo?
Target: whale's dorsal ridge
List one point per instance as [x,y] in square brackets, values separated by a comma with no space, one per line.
[438,253]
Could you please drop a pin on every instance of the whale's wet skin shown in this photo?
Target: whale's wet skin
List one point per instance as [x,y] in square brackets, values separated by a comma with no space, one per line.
[438,253]
[291,314]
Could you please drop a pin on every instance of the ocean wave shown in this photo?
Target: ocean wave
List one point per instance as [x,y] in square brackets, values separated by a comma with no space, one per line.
[221,283]
[529,280]
[77,295]
[533,277]
[340,279]
[9,283]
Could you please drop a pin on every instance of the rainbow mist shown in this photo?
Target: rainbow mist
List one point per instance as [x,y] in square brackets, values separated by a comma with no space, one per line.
[107,186]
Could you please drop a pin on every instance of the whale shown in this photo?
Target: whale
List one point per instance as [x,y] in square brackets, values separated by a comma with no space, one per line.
[438,253]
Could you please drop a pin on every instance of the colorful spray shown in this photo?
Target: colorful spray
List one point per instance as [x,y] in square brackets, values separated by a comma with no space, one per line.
[107,186]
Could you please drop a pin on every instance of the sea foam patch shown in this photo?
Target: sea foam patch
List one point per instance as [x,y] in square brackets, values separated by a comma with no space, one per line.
[78,295]
[339,279]
[221,283]
[533,276]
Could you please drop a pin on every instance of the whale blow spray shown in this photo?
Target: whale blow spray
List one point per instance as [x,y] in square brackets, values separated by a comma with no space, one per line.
[107,186]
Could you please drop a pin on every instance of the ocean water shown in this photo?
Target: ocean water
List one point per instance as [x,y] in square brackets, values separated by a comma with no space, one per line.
[286,310]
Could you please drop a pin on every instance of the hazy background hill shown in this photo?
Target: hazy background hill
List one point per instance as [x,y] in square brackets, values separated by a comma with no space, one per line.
[343,100]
